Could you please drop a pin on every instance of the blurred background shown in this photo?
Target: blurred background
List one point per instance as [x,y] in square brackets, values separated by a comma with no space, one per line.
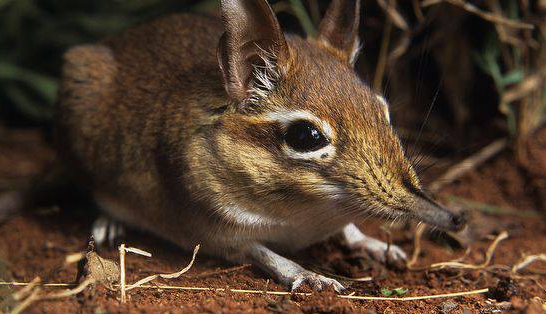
[458,74]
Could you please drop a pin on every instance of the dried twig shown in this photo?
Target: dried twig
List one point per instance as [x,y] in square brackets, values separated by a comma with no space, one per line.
[461,168]
[418,234]
[73,258]
[488,16]
[400,49]
[488,256]
[424,297]
[494,210]
[220,272]
[21,294]
[165,276]
[33,288]
[502,32]
[524,88]
[341,277]
[383,53]
[34,296]
[246,291]
[24,284]
[454,263]
[417,10]
[528,260]
[67,293]
[138,251]
[122,273]
[393,14]
[122,250]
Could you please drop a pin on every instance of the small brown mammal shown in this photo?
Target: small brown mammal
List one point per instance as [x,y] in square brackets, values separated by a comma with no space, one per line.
[236,136]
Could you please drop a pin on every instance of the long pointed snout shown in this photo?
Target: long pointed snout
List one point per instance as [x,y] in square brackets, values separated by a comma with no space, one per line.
[431,212]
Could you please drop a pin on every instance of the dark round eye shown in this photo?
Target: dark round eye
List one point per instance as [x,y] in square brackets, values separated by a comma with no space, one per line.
[303,136]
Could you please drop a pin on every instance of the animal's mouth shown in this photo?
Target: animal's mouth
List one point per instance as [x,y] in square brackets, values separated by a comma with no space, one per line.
[432,213]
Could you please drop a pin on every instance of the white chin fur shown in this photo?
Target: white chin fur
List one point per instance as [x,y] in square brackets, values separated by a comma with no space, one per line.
[239,216]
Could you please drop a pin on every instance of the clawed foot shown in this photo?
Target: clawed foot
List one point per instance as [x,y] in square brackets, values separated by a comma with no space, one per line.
[315,281]
[378,250]
[106,230]
[382,252]
[288,272]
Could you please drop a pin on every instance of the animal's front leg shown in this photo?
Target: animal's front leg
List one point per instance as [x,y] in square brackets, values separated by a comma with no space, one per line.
[287,271]
[377,249]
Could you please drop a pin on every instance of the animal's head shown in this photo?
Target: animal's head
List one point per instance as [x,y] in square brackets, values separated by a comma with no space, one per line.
[304,130]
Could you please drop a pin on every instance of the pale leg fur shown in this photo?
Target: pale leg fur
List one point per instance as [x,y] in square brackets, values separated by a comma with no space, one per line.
[107,230]
[377,249]
[287,271]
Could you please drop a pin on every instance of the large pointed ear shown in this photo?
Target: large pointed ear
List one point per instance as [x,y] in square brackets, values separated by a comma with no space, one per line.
[252,40]
[339,27]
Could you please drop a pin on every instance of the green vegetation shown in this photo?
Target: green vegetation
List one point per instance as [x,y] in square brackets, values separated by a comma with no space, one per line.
[394,292]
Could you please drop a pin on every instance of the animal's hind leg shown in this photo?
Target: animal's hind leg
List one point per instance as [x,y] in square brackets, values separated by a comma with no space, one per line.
[11,203]
[107,230]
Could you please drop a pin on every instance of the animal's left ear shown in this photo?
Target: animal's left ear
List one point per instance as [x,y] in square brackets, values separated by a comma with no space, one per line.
[339,28]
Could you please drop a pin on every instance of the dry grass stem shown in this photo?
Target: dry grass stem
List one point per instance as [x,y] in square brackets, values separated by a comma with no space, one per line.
[138,251]
[488,16]
[523,89]
[32,290]
[341,277]
[528,260]
[249,291]
[165,276]
[454,263]
[427,3]
[73,258]
[359,279]
[24,292]
[416,246]
[122,273]
[24,284]
[399,50]
[350,296]
[463,167]
[488,256]
[67,293]
[501,29]
[417,11]
[34,296]
[424,297]
[396,18]
[383,53]
[220,272]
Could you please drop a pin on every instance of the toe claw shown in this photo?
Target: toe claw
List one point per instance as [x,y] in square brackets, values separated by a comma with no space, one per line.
[316,282]
[378,251]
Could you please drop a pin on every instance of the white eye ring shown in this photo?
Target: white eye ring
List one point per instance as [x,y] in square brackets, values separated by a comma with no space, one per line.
[286,118]
[325,153]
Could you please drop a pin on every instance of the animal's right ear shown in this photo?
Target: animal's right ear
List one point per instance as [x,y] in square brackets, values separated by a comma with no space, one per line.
[252,38]
[339,27]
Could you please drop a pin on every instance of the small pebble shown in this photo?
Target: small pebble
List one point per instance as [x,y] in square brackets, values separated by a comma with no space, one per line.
[448,306]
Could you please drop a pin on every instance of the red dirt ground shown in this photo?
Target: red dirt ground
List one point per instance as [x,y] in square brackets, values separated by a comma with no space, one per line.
[36,244]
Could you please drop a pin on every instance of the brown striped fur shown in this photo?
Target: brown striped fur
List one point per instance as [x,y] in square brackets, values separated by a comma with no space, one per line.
[145,120]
